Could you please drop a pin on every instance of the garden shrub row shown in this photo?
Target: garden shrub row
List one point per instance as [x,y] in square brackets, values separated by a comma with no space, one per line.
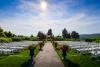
[5,40]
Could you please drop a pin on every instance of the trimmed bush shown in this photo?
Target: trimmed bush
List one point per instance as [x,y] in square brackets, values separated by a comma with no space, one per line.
[16,39]
[58,38]
[5,40]
[91,40]
[33,39]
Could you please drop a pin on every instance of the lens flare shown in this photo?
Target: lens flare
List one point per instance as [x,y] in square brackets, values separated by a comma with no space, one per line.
[43,5]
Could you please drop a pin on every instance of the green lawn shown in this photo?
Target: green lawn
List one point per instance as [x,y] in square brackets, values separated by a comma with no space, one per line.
[17,60]
[83,60]
[78,60]
[14,60]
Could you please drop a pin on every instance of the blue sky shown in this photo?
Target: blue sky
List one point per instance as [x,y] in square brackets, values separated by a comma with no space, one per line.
[25,16]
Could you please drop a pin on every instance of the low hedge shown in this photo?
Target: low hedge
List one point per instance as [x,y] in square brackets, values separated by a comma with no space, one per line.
[16,39]
[5,40]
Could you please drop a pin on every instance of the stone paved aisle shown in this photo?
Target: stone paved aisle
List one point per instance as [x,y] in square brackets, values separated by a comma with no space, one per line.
[48,57]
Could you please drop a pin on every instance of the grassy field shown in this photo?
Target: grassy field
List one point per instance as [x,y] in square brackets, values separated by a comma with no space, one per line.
[16,60]
[78,60]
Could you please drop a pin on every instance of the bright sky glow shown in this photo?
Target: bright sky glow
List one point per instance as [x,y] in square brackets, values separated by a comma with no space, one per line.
[30,16]
[43,5]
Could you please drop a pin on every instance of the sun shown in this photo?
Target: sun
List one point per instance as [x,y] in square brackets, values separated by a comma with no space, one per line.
[43,5]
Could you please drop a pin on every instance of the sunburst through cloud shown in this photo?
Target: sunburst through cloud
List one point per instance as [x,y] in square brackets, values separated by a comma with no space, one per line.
[43,5]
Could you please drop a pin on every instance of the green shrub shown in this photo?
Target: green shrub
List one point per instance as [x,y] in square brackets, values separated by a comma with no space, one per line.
[16,39]
[93,40]
[88,40]
[55,44]
[58,38]
[5,40]
[97,40]
[33,38]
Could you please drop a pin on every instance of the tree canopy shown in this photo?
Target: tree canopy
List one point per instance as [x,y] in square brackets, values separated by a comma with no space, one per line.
[41,35]
[49,33]
[65,34]
[75,35]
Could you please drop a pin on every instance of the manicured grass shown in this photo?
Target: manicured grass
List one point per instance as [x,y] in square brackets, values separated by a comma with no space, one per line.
[16,60]
[82,60]
[78,60]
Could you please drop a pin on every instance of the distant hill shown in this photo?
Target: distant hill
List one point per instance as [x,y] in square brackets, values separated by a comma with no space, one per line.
[84,36]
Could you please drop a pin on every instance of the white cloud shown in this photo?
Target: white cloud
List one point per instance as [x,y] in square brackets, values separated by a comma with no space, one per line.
[31,20]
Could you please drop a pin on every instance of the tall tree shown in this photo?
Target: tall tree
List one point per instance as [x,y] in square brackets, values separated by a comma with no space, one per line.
[41,35]
[1,33]
[65,34]
[49,33]
[1,30]
[69,36]
[75,35]
[9,34]
[31,36]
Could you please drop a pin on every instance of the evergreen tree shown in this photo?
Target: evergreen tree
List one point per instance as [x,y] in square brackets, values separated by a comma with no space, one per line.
[69,36]
[41,35]
[2,33]
[1,30]
[75,35]
[9,34]
[65,34]
[31,36]
[49,33]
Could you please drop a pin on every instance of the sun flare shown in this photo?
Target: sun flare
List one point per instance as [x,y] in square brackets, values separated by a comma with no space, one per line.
[43,5]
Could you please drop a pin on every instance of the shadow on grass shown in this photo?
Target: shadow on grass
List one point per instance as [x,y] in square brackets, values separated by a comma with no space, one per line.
[29,63]
[68,63]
